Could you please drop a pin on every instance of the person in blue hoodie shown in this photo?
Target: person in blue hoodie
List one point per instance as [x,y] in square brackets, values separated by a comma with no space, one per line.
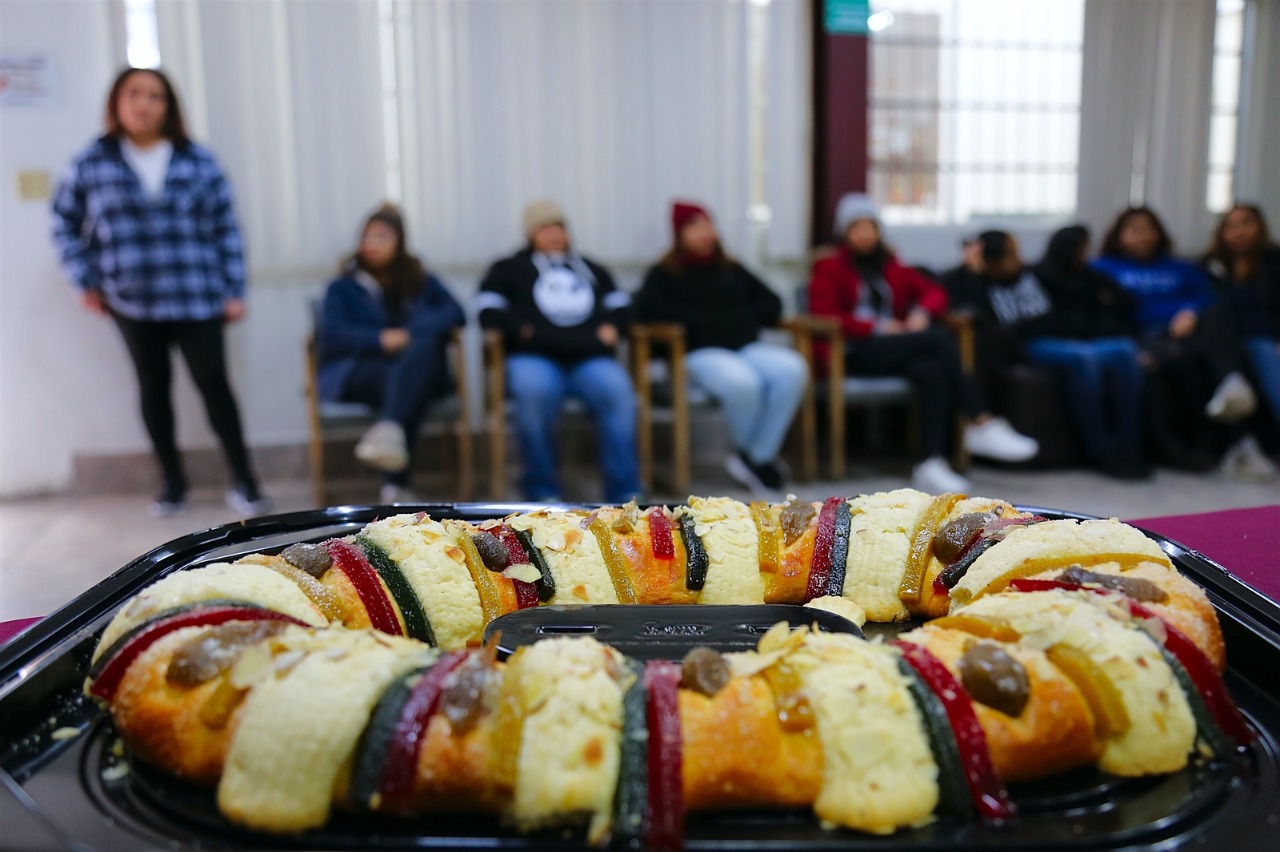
[383,331]
[1187,344]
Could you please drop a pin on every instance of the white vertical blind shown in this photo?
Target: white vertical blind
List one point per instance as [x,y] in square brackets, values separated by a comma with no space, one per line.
[287,94]
[611,107]
[1144,136]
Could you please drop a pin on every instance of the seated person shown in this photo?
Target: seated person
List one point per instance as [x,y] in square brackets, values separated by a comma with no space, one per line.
[887,312]
[723,308]
[1059,316]
[1196,370]
[384,328]
[1245,265]
[561,318]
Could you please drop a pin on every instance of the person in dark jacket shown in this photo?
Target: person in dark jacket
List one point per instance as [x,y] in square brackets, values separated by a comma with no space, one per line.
[1195,371]
[1244,263]
[723,308]
[384,328]
[145,227]
[561,318]
[1061,315]
[887,313]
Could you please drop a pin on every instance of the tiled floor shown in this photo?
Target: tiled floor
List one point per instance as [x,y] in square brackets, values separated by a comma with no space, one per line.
[53,548]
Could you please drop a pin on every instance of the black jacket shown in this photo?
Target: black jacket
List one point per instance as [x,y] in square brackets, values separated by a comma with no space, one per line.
[562,305]
[720,305]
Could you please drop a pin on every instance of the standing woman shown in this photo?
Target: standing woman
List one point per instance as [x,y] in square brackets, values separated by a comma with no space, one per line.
[384,329]
[723,308]
[887,313]
[144,225]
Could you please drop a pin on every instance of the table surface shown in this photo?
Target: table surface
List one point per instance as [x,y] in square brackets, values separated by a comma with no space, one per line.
[1244,541]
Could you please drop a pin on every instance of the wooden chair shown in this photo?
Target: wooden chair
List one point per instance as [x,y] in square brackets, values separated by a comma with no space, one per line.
[348,420]
[664,394]
[842,392]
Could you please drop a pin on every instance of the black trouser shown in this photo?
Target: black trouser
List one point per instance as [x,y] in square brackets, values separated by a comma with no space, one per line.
[401,388]
[1185,373]
[201,345]
[930,360]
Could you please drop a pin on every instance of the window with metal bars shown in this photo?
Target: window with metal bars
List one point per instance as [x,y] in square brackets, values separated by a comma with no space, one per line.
[975,109]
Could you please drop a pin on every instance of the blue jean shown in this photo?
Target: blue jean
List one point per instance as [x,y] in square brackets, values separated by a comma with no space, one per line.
[760,387]
[1264,355]
[538,386]
[1104,387]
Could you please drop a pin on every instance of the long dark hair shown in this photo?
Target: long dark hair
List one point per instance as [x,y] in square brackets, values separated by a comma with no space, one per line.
[1065,252]
[675,260]
[1111,242]
[1218,250]
[402,278]
[174,129]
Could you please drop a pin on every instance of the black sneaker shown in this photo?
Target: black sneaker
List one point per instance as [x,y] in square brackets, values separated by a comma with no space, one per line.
[772,473]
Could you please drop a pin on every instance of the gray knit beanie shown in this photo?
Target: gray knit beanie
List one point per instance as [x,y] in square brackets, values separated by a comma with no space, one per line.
[852,207]
[540,214]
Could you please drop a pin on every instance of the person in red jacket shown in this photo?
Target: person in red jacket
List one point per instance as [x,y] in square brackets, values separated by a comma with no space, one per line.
[887,313]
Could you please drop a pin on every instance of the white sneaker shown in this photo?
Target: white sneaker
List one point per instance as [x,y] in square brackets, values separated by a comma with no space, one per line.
[742,474]
[390,493]
[935,476]
[1247,462]
[996,439]
[1232,401]
[383,447]
[247,503]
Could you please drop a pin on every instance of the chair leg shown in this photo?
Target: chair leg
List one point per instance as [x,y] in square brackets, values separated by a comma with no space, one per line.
[809,436]
[497,458]
[465,458]
[318,489]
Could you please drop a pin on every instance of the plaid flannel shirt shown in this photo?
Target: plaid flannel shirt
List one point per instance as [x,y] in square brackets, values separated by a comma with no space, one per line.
[178,257]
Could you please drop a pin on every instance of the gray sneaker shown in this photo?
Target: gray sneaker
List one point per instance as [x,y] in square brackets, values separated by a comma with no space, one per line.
[1247,462]
[383,447]
[1232,401]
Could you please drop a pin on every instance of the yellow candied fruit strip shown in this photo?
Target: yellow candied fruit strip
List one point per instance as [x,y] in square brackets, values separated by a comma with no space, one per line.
[767,530]
[490,597]
[613,562]
[922,547]
[975,626]
[1109,716]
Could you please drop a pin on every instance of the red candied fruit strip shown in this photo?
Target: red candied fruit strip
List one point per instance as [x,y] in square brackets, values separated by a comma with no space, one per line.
[1206,678]
[108,680]
[526,593]
[1203,673]
[665,825]
[401,767]
[377,603]
[660,534]
[824,541]
[988,791]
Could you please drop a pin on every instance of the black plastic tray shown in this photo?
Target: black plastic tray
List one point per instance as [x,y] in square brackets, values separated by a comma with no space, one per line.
[69,791]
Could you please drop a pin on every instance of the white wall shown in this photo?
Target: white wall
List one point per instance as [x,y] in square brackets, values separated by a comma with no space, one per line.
[63,376]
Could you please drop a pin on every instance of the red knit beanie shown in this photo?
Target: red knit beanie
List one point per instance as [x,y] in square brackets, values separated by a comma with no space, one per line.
[682,213]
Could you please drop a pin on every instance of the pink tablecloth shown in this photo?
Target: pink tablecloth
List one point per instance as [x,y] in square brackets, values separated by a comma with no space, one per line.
[9,629]
[1244,541]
